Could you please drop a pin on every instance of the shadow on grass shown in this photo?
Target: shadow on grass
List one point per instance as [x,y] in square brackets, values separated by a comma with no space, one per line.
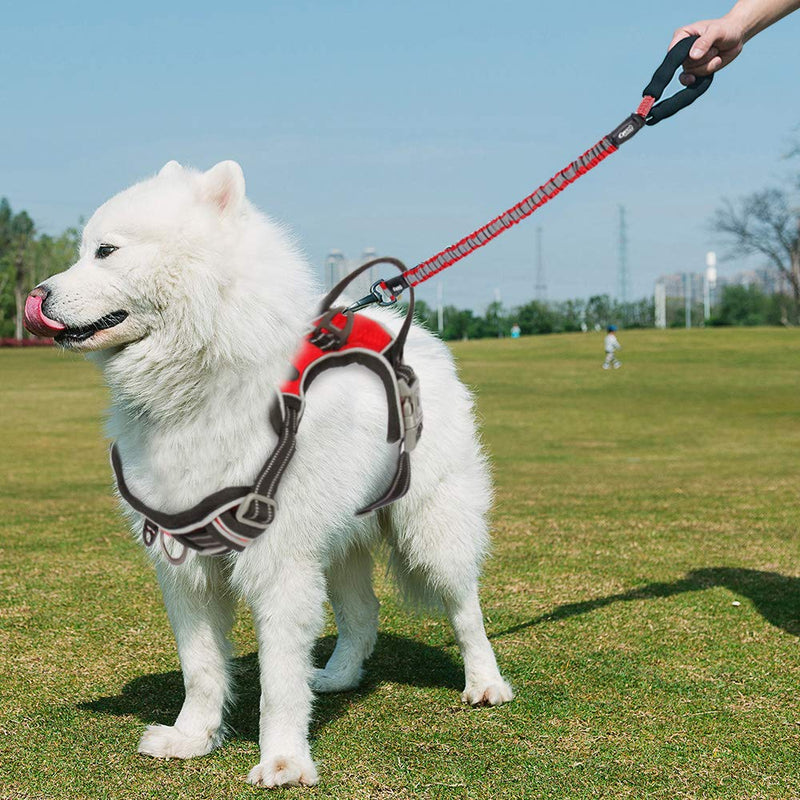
[776,597]
[157,699]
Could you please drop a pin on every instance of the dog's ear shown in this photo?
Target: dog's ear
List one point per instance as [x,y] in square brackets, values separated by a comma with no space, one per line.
[170,169]
[223,185]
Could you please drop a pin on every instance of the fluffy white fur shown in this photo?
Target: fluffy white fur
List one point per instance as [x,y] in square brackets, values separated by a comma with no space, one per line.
[218,299]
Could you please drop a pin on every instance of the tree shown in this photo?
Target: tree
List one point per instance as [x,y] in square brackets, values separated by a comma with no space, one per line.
[639,313]
[461,324]
[600,311]
[18,237]
[535,317]
[569,315]
[423,313]
[495,323]
[767,223]
[746,305]
[6,272]
[26,260]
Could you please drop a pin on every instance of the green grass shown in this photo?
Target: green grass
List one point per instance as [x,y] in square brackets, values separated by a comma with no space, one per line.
[634,508]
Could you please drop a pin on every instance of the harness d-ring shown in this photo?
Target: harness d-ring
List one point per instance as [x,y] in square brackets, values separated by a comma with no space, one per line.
[150,532]
[176,560]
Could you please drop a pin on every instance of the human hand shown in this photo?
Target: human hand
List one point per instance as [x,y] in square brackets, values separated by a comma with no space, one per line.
[721,40]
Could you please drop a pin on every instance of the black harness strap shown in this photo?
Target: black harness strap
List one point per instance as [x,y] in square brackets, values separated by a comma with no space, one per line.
[258,508]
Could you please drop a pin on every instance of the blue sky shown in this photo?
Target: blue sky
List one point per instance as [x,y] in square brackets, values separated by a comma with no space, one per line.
[400,126]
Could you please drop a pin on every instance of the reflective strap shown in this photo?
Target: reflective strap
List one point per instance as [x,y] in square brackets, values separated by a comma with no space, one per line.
[260,504]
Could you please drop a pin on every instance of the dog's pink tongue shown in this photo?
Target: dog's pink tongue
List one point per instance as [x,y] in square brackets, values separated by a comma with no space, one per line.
[35,320]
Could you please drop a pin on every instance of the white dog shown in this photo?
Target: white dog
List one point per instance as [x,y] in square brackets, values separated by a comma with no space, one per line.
[193,302]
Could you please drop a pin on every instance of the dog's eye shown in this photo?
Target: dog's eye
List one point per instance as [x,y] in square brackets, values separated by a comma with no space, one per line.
[105,250]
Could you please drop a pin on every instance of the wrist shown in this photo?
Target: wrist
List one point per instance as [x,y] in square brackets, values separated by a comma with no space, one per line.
[745,20]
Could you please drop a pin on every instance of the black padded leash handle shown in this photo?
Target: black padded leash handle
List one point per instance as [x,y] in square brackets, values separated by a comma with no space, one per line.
[662,77]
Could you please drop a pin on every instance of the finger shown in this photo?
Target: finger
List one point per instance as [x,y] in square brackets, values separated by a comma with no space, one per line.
[701,47]
[692,66]
[705,69]
[682,33]
[687,79]
[713,52]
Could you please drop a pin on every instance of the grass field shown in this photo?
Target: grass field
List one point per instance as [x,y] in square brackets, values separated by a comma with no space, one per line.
[643,595]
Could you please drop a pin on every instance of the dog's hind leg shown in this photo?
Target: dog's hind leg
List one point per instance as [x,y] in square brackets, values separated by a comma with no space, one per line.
[201,611]
[484,683]
[440,539]
[355,608]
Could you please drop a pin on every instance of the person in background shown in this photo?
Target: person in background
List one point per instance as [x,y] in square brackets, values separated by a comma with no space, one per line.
[721,40]
[612,345]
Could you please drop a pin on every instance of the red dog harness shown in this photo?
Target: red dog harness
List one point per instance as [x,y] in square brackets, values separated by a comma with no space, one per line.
[228,520]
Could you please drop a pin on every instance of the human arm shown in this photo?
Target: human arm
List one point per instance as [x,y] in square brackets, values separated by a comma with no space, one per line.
[721,40]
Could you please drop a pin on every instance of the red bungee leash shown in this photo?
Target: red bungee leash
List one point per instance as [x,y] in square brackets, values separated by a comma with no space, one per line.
[385,292]
[231,518]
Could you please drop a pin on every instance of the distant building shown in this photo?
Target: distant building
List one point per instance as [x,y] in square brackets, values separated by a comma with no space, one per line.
[337,266]
[675,284]
[676,295]
[769,280]
[704,291]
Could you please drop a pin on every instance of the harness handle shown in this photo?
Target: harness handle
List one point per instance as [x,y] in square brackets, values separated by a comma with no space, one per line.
[662,77]
[396,354]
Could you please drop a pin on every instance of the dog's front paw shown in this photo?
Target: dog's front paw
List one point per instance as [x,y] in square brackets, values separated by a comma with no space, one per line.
[284,771]
[492,693]
[166,741]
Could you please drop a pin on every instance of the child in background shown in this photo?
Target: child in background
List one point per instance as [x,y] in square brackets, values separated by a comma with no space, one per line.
[612,345]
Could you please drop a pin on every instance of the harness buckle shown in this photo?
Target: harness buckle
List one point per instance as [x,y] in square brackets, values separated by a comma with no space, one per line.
[244,508]
[410,405]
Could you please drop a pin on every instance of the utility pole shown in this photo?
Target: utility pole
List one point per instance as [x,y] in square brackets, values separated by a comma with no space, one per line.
[709,283]
[687,298]
[540,289]
[660,300]
[623,277]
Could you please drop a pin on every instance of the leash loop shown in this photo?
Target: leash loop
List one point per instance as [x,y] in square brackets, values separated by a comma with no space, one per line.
[662,77]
